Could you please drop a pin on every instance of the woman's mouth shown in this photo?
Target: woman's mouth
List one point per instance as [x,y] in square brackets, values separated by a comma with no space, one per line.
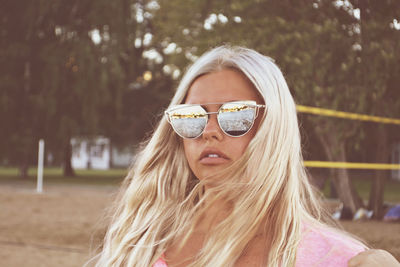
[213,157]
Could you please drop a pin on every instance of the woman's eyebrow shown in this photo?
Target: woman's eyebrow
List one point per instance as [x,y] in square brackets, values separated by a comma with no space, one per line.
[216,103]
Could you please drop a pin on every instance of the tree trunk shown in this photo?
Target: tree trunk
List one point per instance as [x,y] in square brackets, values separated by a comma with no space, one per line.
[23,170]
[382,150]
[335,151]
[68,170]
[378,181]
[24,163]
[110,149]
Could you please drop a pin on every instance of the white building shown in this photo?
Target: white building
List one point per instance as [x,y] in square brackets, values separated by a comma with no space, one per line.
[97,153]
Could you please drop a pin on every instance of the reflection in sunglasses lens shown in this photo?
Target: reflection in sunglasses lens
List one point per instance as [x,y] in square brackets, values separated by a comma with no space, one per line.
[189,127]
[236,123]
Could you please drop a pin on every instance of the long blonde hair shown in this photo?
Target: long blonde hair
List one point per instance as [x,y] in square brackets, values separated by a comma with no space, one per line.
[267,187]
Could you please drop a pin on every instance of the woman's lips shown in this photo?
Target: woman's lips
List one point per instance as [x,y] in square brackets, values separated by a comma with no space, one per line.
[213,157]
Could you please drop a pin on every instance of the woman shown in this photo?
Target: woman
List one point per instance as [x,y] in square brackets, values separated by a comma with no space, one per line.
[221,182]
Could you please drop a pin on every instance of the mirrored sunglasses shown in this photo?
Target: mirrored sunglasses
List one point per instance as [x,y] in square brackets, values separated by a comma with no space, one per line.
[234,118]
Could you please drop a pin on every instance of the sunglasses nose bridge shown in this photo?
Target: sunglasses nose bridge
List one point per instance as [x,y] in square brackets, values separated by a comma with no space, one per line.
[212,127]
[212,119]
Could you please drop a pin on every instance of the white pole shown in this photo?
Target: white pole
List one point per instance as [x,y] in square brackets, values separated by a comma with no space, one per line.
[39,186]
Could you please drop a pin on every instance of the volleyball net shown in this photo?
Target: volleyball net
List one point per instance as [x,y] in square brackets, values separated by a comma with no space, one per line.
[349,116]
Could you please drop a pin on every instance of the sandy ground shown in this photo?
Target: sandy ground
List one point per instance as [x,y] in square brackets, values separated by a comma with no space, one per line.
[57,228]
[64,225]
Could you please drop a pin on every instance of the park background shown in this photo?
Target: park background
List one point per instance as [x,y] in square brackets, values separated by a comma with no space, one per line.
[80,70]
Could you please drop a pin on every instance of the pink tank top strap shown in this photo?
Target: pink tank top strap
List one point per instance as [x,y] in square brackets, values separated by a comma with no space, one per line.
[160,262]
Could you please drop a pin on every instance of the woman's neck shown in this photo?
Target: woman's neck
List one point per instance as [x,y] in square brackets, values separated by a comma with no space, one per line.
[214,212]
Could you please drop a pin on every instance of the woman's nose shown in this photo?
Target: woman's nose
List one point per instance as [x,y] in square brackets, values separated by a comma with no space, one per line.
[212,129]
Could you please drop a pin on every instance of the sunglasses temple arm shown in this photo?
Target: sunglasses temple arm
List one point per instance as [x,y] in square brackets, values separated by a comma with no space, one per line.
[258,108]
[167,115]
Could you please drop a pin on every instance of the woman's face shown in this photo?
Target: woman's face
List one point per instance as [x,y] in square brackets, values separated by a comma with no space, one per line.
[214,150]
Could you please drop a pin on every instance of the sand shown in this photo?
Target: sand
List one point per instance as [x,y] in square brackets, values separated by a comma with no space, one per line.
[64,225]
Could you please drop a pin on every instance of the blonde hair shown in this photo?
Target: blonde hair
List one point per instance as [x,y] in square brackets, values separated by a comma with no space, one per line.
[267,187]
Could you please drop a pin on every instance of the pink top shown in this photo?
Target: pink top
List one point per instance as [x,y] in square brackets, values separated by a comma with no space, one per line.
[324,247]
[160,263]
[318,247]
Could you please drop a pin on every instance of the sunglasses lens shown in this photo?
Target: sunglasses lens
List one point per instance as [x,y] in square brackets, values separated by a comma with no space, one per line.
[236,119]
[188,122]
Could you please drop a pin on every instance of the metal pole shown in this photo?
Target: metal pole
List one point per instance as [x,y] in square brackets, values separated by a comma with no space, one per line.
[39,186]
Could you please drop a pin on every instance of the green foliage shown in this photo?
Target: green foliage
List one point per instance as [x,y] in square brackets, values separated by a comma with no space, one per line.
[56,82]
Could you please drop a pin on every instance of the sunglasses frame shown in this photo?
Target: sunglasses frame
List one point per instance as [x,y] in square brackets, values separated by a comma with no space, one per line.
[250,103]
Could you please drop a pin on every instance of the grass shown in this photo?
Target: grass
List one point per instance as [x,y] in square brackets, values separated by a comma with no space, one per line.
[362,182]
[363,187]
[55,175]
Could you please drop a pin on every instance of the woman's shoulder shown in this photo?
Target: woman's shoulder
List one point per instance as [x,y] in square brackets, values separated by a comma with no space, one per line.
[323,246]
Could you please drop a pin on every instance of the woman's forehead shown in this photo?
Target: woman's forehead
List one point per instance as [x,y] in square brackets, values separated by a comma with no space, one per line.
[221,86]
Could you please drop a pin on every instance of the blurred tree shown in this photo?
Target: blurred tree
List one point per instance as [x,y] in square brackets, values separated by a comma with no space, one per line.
[19,94]
[143,87]
[75,68]
[378,74]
